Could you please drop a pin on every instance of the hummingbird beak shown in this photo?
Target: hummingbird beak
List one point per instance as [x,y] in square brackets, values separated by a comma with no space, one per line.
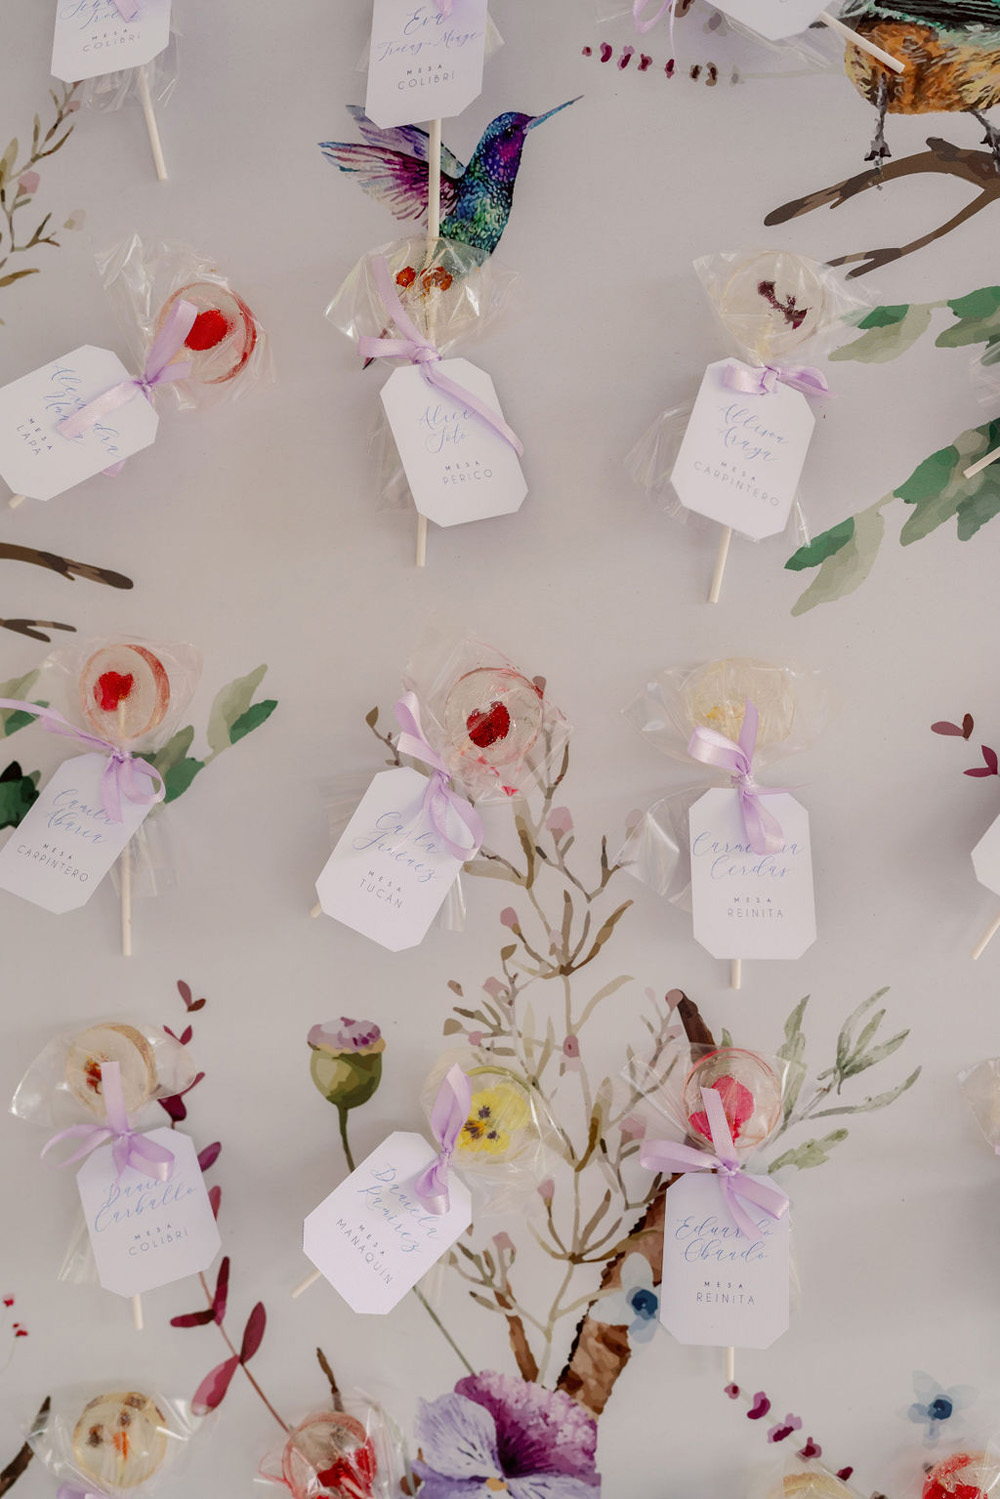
[540,119]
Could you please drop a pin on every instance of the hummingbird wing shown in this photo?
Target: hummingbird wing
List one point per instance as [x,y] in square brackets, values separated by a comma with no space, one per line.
[949,15]
[392,166]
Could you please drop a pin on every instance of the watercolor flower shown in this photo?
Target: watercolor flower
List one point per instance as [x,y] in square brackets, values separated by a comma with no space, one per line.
[784,1428]
[560,822]
[346,1062]
[934,1405]
[497,1434]
[28,182]
[497,1124]
[636,1306]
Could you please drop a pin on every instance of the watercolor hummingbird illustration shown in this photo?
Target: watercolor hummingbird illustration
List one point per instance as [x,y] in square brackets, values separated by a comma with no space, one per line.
[392,167]
[951,49]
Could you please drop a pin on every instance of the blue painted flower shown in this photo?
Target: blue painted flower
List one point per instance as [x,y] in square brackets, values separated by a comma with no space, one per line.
[934,1406]
[497,1434]
[636,1306]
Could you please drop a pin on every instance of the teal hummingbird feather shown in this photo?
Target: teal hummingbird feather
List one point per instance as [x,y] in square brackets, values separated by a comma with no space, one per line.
[392,167]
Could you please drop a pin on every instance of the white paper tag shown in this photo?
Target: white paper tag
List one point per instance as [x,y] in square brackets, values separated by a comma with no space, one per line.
[423,65]
[373,1238]
[986,858]
[773,18]
[719,1288]
[742,455]
[93,38]
[147,1233]
[67,843]
[35,459]
[457,467]
[748,905]
[390,873]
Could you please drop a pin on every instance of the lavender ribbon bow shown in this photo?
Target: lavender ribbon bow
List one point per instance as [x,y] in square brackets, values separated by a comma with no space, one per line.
[124,775]
[642,26]
[128,10]
[763,830]
[439,796]
[70,1491]
[763,380]
[421,352]
[737,1189]
[159,370]
[444,7]
[450,1111]
[129,1149]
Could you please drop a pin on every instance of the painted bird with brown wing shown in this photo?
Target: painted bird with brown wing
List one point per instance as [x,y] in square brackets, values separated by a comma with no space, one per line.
[951,55]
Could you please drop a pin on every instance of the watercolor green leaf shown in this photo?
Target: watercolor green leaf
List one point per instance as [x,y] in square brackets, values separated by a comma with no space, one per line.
[231,703]
[938,488]
[12,719]
[17,793]
[792,1050]
[876,1101]
[255,715]
[978,317]
[812,1153]
[827,544]
[888,333]
[845,568]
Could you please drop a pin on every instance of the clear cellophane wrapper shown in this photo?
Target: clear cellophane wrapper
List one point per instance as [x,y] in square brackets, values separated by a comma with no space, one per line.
[111,91]
[501,1153]
[228,348]
[355,1451]
[153,866]
[80,1441]
[799,1478]
[816,49]
[60,1088]
[794,705]
[457,683]
[981,1088]
[452,293]
[774,308]
[494,41]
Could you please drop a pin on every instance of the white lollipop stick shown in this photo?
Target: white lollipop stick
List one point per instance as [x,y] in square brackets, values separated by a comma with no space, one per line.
[970,472]
[730,1366]
[317,909]
[137,1321]
[857,40]
[304,1285]
[986,939]
[145,99]
[125,878]
[736,978]
[15,500]
[433,231]
[720,564]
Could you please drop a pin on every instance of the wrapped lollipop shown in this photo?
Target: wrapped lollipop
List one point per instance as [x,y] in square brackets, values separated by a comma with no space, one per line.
[736,455]
[194,338]
[981,1087]
[724,1103]
[121,1440]
[123,695]
[486,732]
[808,1480]
[134,35]
[93,1086]
[412,302]
[738,857]
[964,1475]
[781,20]
[352,1452]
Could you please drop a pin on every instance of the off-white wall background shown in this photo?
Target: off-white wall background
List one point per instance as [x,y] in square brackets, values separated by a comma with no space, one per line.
[252,531]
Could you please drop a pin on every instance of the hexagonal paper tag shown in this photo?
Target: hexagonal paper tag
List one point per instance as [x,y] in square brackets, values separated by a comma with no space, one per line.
[748,905]
[373,1238]
[458,468]
[424,65]
[719,1288]
[986,858]
[742,454]
[93,37]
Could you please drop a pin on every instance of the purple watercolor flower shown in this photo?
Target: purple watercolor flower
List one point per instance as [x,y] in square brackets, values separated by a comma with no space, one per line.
[498,1434]
[345,1035]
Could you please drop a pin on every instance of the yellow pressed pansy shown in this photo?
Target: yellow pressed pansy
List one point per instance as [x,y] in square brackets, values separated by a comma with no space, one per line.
[497,1117]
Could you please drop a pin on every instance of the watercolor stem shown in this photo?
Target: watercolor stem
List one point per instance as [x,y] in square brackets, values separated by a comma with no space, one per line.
[229,1344]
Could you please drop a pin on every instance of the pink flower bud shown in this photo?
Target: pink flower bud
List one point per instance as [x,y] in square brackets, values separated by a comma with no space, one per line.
[571,1047]
[547,1190]
[504,1242]
[28,183]
[508,917]
[560,821]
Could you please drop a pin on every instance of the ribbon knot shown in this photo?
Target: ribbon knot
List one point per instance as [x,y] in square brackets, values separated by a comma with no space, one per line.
[160,369]
[421,351]
[448,1115]
[763,380]
[439,798]
[129,1147]
[642,25]
[737,1188]
[763,830]
[124,774]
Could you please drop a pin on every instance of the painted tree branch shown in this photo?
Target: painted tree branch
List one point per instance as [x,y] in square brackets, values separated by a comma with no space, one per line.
[66,568]
[975,167]
[18,1464]
[600,1352]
